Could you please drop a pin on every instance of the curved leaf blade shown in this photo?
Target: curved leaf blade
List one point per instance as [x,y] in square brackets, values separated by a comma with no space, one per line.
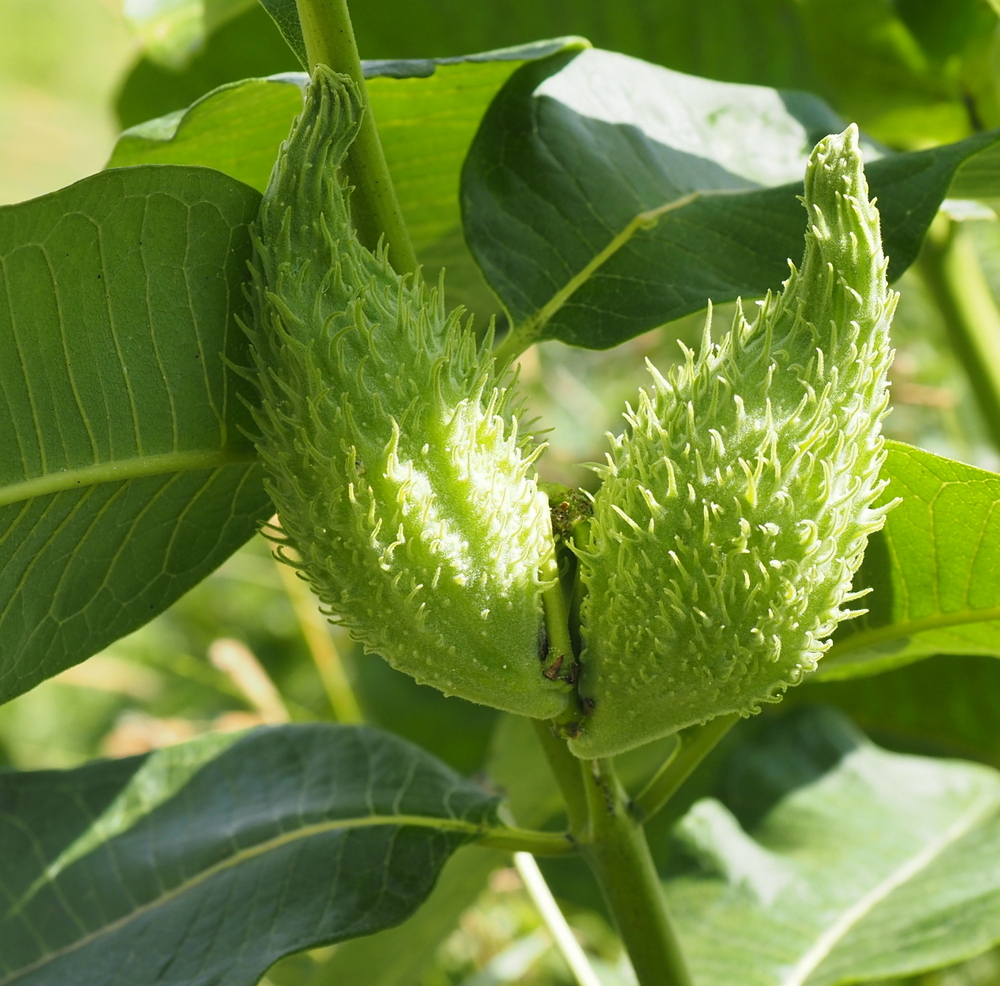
[604,196]
[836,862]
[125,478]
[979,177]
[201,865]
[401,955]
[236,129]
[427,112]
[286,16]
[398,957]
[935,569]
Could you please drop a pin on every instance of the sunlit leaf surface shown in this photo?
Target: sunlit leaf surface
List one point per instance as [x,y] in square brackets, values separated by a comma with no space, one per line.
[427,112]
[125,477]
[934,569]
[835,862]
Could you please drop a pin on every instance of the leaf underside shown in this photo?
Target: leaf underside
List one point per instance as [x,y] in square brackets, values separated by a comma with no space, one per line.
[833,861]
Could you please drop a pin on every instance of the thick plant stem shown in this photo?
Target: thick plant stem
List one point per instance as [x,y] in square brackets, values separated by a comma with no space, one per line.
[695,744]
[955,280]
[329,38]
[563,764]
[619,855]
[567,770]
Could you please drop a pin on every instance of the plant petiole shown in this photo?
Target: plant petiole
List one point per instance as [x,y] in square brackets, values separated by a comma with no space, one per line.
[516,839]
[695,744]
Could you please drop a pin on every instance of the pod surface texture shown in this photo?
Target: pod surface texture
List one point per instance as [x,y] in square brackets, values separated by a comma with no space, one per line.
[392,451]
[736,507]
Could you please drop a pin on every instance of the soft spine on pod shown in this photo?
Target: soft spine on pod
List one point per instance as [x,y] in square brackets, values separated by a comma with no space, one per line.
[392,456]
[736,508]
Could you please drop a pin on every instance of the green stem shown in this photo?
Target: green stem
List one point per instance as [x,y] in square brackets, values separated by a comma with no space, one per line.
[515,839]
[329,38]
[555,920]
[557,620]
[955,280]
[561,656]
[567,770]
[619,855]
[695,744]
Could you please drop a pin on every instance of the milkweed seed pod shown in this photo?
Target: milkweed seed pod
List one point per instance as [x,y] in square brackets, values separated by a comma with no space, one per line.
[736,507]
[392,455]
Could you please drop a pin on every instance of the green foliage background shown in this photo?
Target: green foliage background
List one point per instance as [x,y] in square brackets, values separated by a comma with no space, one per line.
[909,77]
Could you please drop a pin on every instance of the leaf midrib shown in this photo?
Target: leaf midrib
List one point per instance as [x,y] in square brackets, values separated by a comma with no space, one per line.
[530,329]
[909,628]
[470,829]
[118,470]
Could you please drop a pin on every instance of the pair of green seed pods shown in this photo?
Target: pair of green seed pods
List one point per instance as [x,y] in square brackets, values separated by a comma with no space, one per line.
[733,513]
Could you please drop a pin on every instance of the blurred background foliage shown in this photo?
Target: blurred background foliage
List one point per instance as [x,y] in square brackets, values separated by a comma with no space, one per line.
[248,646]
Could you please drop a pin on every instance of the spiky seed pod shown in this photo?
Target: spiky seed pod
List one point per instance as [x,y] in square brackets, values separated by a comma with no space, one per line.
[392,455]
[736,508]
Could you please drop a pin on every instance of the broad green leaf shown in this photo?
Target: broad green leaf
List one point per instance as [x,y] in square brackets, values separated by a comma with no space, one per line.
[124,475]
[979,177]
[427,124]
[172,31]
[202,864]
[236,129]
[945,704]
[400,955]
[427,112]
[934,569]
[834,862]
[516,767]
[604,196]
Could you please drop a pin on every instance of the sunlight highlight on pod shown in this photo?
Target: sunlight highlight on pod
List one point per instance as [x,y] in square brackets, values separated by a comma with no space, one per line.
[390,442]
[737,505]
